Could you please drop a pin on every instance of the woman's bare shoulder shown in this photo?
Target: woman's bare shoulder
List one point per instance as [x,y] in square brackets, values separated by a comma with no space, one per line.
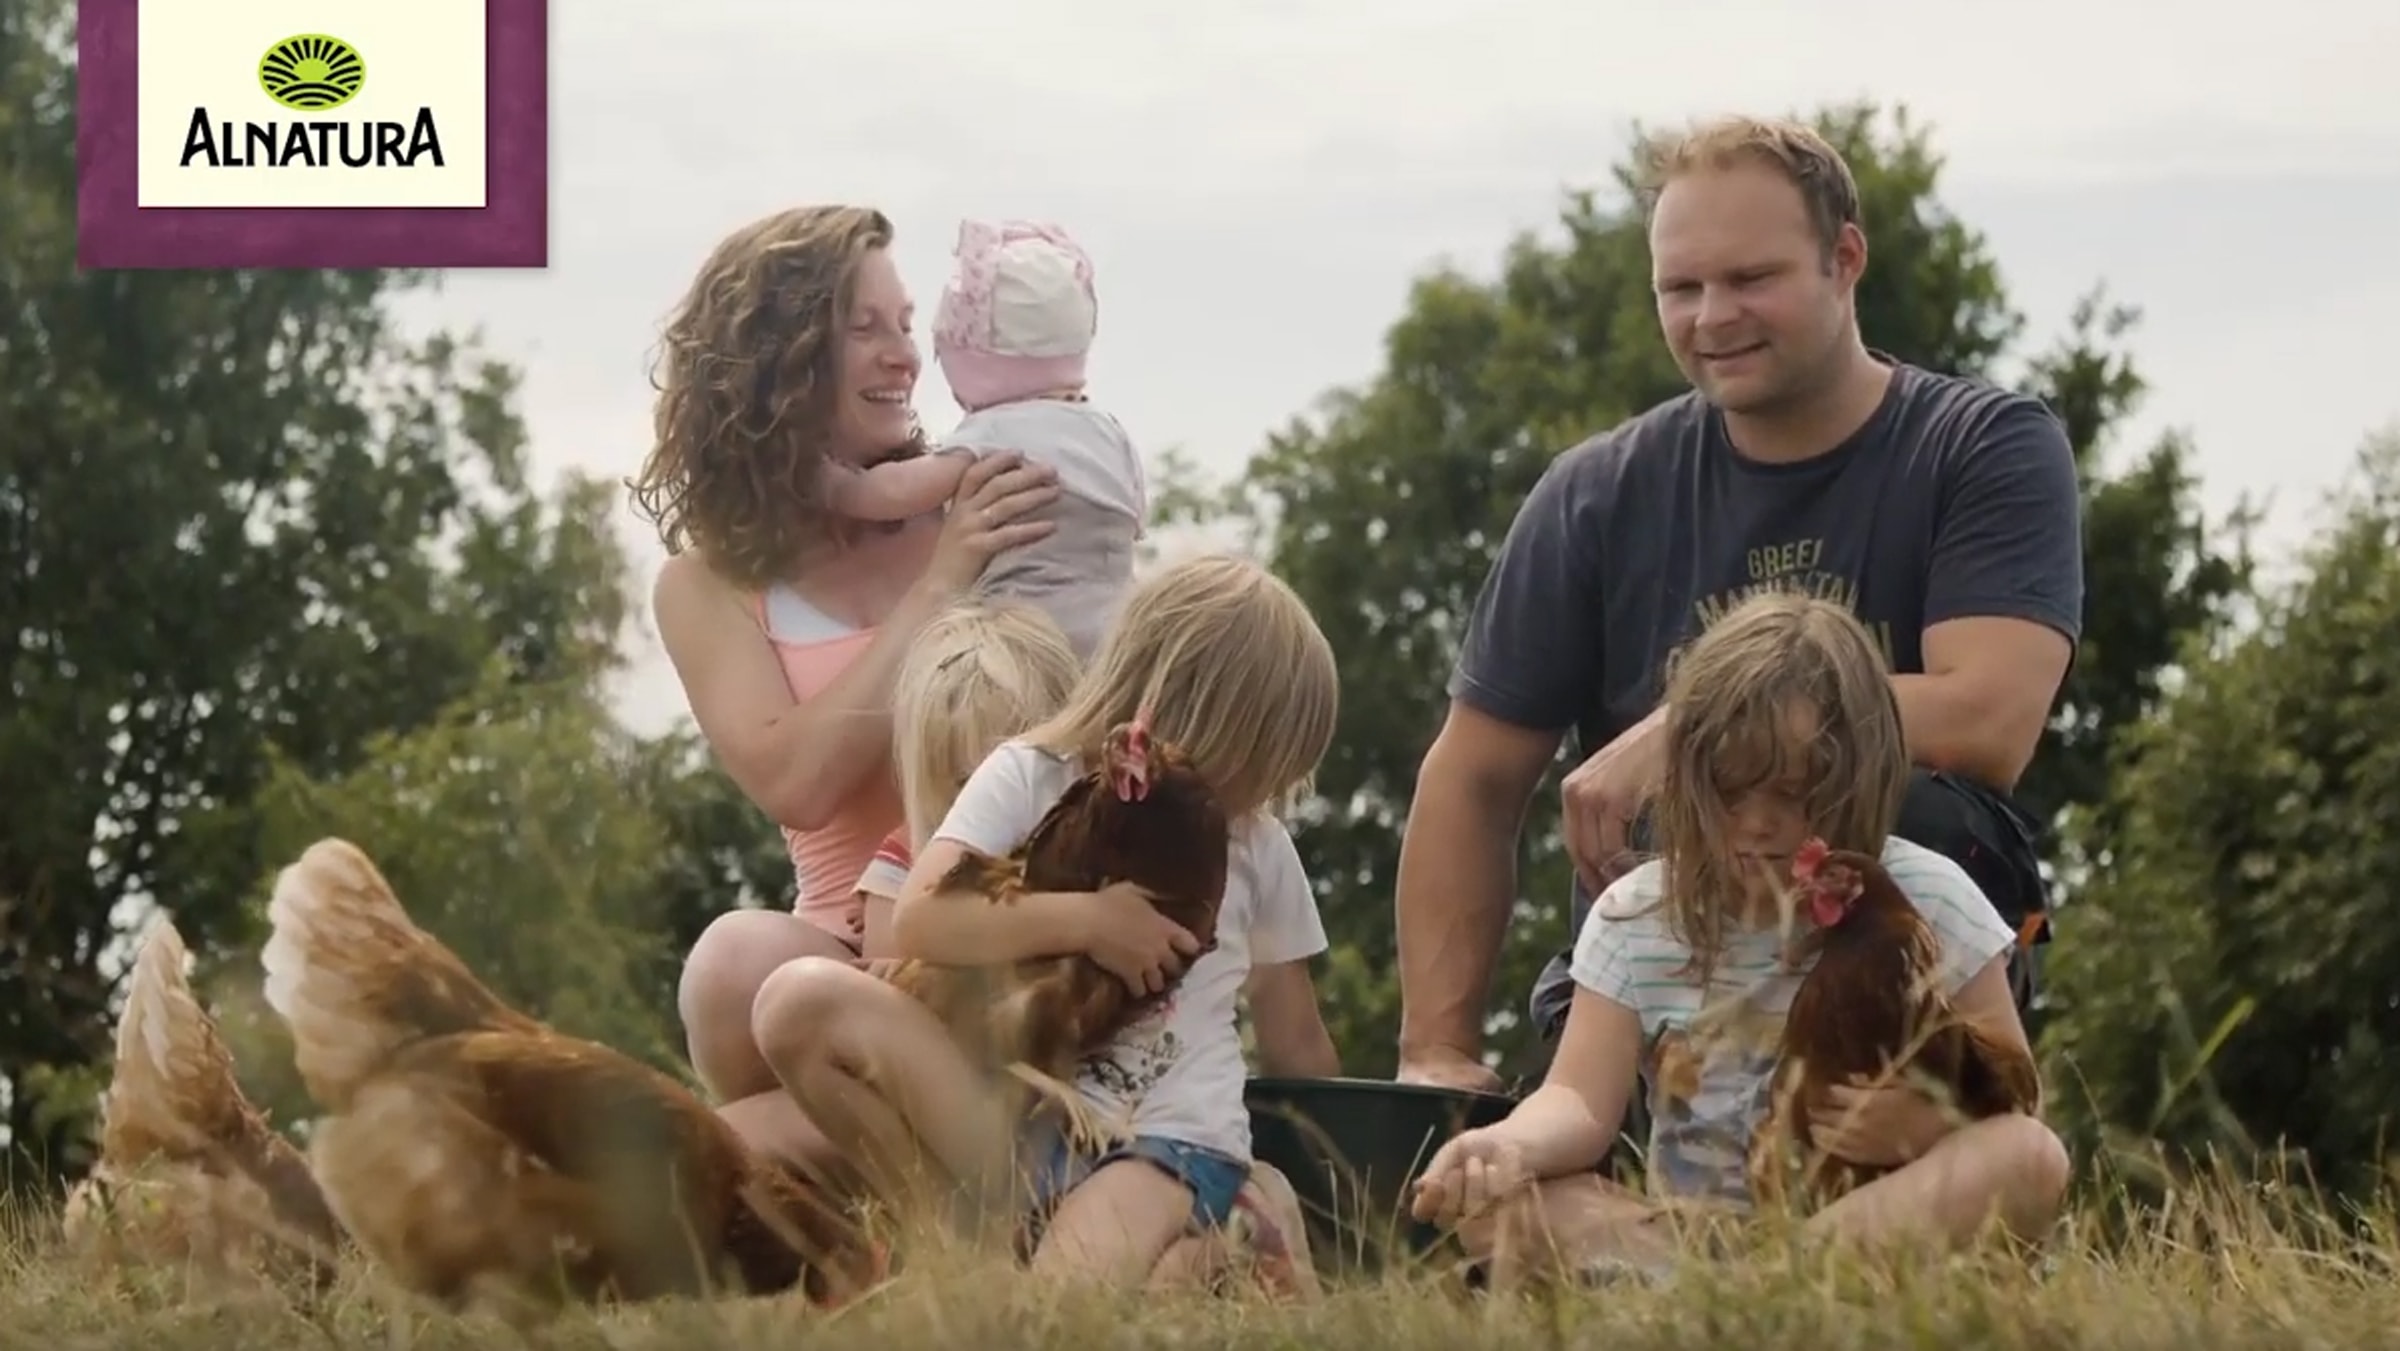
[685,579]
[690,595]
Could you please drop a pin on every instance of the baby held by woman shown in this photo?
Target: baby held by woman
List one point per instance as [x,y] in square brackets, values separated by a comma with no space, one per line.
[1014,326]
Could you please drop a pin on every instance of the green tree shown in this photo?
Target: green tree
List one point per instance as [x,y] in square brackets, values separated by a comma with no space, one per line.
[1384,508]
[2157,570]
[526,830]
[240,510]
[2229,988]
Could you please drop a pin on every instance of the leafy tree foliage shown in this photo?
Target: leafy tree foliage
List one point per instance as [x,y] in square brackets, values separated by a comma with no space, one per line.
[244,516]
[2230,986]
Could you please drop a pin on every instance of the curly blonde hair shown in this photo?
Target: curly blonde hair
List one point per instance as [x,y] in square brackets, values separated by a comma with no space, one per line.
[747,374]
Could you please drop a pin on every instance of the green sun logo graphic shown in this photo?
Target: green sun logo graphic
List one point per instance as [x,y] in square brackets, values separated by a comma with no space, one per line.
[312,72]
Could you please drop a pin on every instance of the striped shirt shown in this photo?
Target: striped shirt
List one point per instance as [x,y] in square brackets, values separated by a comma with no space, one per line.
[1707,1061]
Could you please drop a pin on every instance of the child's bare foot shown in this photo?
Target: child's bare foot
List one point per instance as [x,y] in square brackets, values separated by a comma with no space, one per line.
[1278,1234]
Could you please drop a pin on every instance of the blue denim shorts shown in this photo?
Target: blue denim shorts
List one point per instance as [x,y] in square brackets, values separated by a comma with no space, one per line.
[1214,1178]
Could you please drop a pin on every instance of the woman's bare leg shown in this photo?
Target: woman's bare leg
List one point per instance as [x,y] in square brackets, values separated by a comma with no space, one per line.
[887,1085]
[2009,1169]
[721,980]
[773,1124]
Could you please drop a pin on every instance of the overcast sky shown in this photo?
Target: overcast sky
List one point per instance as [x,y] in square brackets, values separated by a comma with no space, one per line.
[1259,182]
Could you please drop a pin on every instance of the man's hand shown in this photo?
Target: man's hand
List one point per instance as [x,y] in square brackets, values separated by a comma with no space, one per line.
[1447,1067]
[1601,796]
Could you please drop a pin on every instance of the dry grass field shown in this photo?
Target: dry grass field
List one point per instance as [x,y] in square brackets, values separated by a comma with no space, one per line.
[2212,1270]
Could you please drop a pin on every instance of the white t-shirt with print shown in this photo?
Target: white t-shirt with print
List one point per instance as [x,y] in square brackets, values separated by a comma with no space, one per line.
[1179,1072]
[1708,1062]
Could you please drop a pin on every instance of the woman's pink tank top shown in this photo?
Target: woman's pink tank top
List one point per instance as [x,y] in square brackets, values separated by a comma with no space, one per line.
[813,648]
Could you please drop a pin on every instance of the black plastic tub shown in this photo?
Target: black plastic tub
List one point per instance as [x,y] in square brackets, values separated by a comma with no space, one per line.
[1351,1147]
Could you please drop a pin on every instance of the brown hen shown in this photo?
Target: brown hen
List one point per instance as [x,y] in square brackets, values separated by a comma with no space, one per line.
[1144,816]
[1872,1008]
[189,1170]
[482,1156]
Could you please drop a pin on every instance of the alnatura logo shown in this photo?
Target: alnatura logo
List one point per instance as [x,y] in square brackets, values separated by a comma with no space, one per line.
[312,73]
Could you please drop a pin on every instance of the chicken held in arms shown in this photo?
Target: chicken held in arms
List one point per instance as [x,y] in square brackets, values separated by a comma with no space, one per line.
[1871,1009]
[483,1157]
[1143,816]
[189,1170]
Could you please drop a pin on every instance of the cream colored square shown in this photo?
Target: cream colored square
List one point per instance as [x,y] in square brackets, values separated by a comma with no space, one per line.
[205,54]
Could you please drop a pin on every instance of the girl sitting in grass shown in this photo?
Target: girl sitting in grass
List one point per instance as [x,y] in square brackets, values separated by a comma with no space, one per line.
[1242,680]
[1781,726]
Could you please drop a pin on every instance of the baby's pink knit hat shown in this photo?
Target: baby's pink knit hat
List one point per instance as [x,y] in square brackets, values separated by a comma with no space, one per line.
[1018,314]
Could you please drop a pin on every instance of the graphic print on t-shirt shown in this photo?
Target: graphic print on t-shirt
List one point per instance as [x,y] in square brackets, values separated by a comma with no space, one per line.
[1133,1064]
[1708,1077]
[1798,566]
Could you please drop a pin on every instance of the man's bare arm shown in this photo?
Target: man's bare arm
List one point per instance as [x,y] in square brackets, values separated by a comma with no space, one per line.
[2004,597]
[1457,879]
[1983,700]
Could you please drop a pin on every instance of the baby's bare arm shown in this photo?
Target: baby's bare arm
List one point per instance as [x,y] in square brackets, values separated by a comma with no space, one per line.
[896,490]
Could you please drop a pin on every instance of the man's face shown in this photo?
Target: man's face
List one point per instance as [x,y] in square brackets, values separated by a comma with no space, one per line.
[1753,309]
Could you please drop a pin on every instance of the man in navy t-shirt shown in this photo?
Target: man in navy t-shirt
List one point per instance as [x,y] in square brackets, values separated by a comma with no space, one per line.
[1944,512]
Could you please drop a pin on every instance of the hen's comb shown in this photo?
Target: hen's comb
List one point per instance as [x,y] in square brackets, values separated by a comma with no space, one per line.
[1130,775]
[1811,856]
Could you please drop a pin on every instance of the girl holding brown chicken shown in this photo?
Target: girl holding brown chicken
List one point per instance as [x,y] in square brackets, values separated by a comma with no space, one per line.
[1224,664]
[980,673]
[1781,730]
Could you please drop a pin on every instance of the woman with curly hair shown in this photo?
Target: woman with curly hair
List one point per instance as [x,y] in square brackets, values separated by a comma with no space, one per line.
[785,622]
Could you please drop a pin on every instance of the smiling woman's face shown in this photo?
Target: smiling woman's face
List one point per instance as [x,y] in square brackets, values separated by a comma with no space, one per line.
[879,363]
[1752,304]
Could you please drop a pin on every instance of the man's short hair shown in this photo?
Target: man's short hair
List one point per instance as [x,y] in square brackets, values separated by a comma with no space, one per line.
[1793,149]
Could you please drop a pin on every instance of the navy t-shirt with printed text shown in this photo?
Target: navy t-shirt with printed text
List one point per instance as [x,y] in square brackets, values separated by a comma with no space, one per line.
[1955,499]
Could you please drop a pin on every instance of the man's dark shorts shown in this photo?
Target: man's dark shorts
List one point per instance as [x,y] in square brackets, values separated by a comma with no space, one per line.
[1980,830]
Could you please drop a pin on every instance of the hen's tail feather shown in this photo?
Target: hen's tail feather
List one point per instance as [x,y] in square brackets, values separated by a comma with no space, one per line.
[174,1086]
[1086,1130]
[184,1156]
[353,976]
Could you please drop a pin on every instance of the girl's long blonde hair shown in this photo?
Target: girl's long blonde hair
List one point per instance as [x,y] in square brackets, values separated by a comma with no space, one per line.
[1230,666]
[1783,686]
[979,673]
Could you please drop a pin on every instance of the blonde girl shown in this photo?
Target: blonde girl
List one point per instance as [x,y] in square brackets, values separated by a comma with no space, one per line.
[1781,724]
[979,673]
[1232,668]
